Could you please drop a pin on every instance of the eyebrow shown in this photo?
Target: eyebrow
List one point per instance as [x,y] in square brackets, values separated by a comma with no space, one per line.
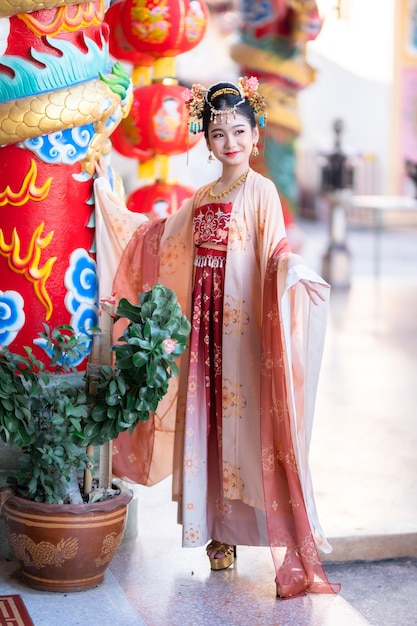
[214,130]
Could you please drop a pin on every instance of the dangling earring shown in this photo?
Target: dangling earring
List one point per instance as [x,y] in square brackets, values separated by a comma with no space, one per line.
[210,157]
[255,150]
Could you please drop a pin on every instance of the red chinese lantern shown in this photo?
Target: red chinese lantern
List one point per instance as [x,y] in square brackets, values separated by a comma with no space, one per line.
[159,199]
[124,147]
[164,28]
[119,47]
[157,122]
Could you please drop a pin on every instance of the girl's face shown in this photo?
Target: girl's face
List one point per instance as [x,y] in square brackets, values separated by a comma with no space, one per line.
[232,143]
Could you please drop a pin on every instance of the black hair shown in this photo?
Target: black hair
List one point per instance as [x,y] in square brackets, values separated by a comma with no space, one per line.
[228,98]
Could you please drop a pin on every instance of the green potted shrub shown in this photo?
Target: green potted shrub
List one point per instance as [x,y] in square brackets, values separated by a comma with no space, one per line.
[57,420]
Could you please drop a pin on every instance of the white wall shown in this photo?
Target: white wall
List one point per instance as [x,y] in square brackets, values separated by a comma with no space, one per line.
[354,60]
[363,105]
[361,39]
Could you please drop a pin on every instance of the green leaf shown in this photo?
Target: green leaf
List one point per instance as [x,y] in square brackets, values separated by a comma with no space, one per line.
[106,371]
[175,370]
[113,387]
[32,485]
[128,310]
[99,413]
[7,404]
[139,359]
[121,385]
[157,375]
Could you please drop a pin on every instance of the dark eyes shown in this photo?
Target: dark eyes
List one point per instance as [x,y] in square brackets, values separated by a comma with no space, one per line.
[238,131]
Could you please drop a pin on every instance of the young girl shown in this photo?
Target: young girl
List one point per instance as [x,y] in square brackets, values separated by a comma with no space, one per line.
[238,420]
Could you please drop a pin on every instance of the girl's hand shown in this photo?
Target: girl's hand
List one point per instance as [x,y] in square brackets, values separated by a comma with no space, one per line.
[314,290]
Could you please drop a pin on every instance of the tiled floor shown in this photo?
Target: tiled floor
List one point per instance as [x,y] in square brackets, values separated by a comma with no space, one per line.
[364,468]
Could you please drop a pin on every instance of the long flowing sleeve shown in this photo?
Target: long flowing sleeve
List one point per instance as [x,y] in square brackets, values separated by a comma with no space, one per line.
[292,334]
[159,251]
[115,225]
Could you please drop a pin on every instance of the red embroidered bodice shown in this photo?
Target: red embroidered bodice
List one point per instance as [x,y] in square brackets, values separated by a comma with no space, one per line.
[211,223]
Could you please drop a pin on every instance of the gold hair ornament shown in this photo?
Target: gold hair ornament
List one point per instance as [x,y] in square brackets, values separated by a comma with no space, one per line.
[220,92]
[196,98]
[218,113]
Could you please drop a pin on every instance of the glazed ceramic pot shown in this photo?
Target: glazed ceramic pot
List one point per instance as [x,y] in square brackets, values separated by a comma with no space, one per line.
[64,547]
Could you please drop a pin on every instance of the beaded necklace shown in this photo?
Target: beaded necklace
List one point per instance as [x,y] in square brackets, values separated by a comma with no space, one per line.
[225,192]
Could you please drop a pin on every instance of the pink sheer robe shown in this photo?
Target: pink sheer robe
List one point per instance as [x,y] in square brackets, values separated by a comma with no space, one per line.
[269,359]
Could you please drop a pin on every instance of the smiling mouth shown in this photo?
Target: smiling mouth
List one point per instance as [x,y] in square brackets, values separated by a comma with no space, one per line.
[231,153]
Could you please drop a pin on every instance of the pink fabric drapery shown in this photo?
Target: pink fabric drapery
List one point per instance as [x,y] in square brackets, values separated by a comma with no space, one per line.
[146,456]
[297,563]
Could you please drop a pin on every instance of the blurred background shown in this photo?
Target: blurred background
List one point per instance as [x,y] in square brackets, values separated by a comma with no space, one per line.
[349,60]
[340,80]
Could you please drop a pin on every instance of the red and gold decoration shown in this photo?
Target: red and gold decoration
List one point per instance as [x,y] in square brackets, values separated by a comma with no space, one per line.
[122,50]
[14,610]
[162,29]
[61,97]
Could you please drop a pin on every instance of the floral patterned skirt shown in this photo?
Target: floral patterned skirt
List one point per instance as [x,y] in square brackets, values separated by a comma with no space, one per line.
[206,512]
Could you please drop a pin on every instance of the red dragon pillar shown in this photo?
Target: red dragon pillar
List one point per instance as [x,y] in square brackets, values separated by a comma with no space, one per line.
[60,99]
